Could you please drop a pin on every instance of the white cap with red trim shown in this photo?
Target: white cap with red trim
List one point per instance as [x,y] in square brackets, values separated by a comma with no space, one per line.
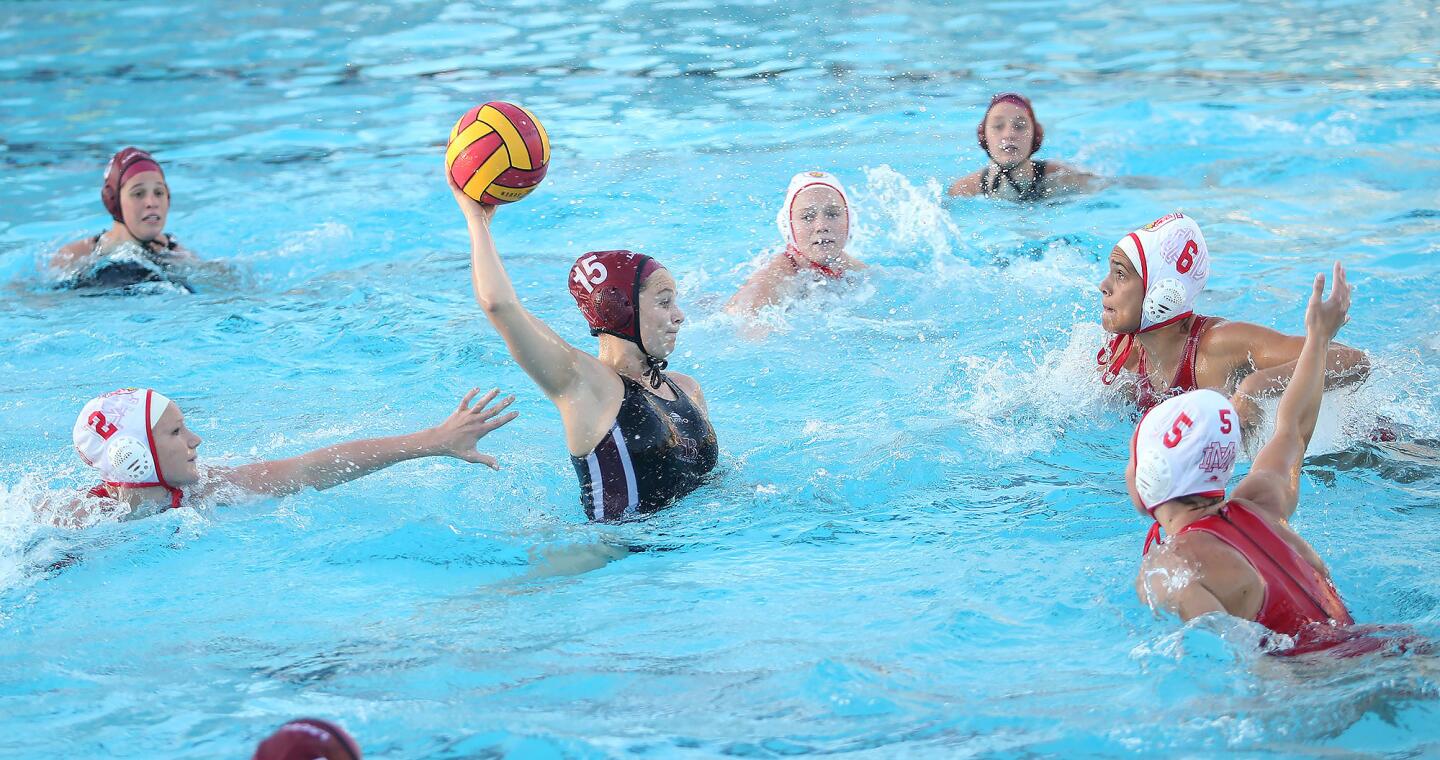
[1185,446]
[800,182]
[1173,262]
[114,435]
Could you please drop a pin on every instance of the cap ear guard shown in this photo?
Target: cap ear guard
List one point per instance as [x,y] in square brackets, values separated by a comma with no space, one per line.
[613,310]
[1152,477]
[1165,299]
[130,458]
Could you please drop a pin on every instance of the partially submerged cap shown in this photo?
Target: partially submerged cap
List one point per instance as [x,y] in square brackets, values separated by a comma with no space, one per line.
[124,165]
[1185,446]
[798,183]
[1173,262]
[308,739]
[606,286]
[114,434]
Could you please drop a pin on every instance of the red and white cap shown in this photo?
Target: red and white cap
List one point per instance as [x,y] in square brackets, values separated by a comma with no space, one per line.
[114,434]
[1185,446]
[800,182]
[1173,262]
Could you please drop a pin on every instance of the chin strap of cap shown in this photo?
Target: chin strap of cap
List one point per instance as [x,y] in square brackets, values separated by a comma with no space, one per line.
[175,494]
[1111,359]
[801,263]
[1153,537]
[653,368]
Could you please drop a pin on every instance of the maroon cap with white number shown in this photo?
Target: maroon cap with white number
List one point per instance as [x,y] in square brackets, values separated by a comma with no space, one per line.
[606,286]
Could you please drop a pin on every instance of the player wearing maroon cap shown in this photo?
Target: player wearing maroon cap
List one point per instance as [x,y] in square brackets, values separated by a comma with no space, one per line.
[1010,135]
[639,437]
[135,194]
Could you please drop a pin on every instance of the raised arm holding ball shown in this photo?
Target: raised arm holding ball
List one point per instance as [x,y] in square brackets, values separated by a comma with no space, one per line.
[639,437]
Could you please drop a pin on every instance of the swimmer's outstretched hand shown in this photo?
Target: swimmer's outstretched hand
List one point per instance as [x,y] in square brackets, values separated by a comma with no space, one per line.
[474,210]
[1324,318]
[458,435]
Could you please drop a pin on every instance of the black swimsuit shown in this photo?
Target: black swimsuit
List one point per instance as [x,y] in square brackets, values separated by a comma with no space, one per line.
[1031,192]
[124,268]
[656,452]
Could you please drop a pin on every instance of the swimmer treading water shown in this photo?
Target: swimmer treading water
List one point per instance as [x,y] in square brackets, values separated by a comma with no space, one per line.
[136,249]
[815,222]
[1010,135]
[1162,347]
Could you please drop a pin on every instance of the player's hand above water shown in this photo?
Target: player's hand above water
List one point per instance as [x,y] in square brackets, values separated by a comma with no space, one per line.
[458,435]
[1324,318]
[474,210]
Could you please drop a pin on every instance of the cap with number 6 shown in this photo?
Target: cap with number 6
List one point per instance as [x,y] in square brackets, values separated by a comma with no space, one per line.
[606,287]
[1185,446]
[1173,262]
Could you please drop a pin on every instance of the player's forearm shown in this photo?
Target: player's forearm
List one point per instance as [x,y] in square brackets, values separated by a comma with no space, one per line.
[1300,403]
[333,465]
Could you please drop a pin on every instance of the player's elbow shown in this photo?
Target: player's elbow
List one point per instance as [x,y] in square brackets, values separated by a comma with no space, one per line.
[497,307]
[1350,366]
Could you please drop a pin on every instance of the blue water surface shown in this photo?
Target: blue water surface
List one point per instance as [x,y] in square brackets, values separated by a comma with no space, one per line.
[919,543]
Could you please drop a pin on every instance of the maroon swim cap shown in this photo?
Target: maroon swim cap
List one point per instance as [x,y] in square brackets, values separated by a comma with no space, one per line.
[124,165]
[308,739]
[606,287]
[1038,135]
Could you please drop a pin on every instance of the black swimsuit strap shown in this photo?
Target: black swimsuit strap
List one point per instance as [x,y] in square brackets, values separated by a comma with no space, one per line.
[1029,192]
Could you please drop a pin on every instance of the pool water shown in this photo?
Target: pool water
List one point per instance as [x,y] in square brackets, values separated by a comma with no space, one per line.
[918,544]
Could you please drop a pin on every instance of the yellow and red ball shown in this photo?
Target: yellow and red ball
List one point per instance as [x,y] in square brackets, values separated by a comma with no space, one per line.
[498,153]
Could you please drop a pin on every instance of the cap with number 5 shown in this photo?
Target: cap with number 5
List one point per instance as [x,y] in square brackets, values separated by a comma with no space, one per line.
[606,287]
[1185,446]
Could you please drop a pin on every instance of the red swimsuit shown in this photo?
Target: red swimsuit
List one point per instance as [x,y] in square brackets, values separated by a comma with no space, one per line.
[1296,594]
[102,492]
[1146,396]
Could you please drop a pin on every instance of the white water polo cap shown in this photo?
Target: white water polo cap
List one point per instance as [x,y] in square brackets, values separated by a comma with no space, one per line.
[1173,262]
[803,181]
[114,435]
[1185,446]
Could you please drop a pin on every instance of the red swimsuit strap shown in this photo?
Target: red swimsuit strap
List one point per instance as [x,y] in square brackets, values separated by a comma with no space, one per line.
[1284,571]
[1185,373]
[1152,537]
[1184,379]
